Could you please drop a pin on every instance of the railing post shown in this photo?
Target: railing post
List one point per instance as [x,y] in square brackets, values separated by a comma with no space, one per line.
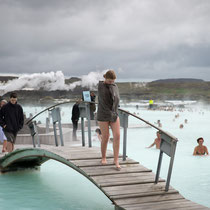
[170,166]
[56,117]
[47,125]
[124,123]
[55,134]
[124,144]
[34,133]
[83,115]
[61,133]
[37,137]
[33,141]
[89,124]
[83,131]
[159,167]
[167,146]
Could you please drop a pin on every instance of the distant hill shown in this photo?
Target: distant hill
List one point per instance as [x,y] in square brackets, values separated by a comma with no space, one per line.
[67,81]
[72,80]
[7,78]
[163,89]
[179,80]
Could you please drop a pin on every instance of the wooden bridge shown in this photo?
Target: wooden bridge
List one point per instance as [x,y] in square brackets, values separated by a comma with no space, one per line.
[133,187]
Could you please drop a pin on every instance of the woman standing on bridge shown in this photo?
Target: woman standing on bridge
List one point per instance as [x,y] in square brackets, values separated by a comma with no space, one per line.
[107,115]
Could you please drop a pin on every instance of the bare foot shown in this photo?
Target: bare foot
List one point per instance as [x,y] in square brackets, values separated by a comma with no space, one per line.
[103,162]
[118,168]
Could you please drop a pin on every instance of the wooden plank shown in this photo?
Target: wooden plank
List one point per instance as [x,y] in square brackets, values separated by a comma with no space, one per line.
[123,167]
[126,182]
[88,156]
[163,205]
[155,205]
[143,194]
[97,162]
[146,199]
[172,205]
[125,179]
[108,170]
[139,189]
[118,177]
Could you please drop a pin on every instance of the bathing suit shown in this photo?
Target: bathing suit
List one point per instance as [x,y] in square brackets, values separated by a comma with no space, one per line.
[197,153]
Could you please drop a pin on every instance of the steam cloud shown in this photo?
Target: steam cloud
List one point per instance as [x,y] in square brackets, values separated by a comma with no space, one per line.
[49,81]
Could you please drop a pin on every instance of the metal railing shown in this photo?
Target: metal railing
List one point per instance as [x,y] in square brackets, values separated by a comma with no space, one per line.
[167,145]
[56,118]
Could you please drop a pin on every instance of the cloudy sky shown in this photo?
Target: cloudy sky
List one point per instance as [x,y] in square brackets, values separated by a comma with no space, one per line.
[140,39]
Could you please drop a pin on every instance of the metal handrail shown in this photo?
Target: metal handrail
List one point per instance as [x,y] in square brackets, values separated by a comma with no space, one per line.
[47,109]
[127,112]
[167,146]
[162,131]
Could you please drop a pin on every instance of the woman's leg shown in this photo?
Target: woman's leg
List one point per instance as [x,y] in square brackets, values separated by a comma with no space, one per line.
[10,146]
[115,126]
[104,126]
[4,149]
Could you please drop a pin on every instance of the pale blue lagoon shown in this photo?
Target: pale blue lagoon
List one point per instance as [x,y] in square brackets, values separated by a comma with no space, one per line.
[57,186]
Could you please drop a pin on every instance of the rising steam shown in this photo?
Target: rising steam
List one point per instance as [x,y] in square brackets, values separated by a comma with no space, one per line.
[49,81]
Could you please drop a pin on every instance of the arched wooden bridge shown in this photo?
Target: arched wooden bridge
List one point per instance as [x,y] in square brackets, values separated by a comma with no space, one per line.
[133,187]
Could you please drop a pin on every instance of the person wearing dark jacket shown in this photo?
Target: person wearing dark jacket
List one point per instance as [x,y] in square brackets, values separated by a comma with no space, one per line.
[75,118]
[11,120]
[107,115]
[92,105]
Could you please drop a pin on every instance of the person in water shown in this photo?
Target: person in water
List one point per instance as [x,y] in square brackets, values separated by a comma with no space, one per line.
[99,135]
[200,149]
[157,141]
[107,115]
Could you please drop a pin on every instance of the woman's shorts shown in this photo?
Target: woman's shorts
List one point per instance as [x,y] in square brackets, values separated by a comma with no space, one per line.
[10,137]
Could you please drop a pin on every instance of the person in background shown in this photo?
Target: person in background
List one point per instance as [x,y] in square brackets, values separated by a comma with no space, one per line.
[157,141]
[75,118]
[151,102]
[181,126]
[107,115]
[99,135]
[159,123]
[11,120]
[3,138]
[200,149]
[92,105]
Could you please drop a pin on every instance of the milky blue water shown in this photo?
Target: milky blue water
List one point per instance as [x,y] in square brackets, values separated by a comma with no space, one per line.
[57,186]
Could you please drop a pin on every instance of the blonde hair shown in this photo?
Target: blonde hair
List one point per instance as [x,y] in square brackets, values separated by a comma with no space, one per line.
[110,75]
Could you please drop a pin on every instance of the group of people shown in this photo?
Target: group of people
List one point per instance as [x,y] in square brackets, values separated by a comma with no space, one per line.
[198,150]
[107,117]
[11,121]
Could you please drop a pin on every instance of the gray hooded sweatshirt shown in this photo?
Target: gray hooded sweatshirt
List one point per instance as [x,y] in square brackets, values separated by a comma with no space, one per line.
[108,101]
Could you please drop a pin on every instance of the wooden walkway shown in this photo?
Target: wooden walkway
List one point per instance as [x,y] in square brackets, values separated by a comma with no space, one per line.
[130,188]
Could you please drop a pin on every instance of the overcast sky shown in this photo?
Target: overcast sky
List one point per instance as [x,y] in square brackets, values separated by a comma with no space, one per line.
[140,39]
